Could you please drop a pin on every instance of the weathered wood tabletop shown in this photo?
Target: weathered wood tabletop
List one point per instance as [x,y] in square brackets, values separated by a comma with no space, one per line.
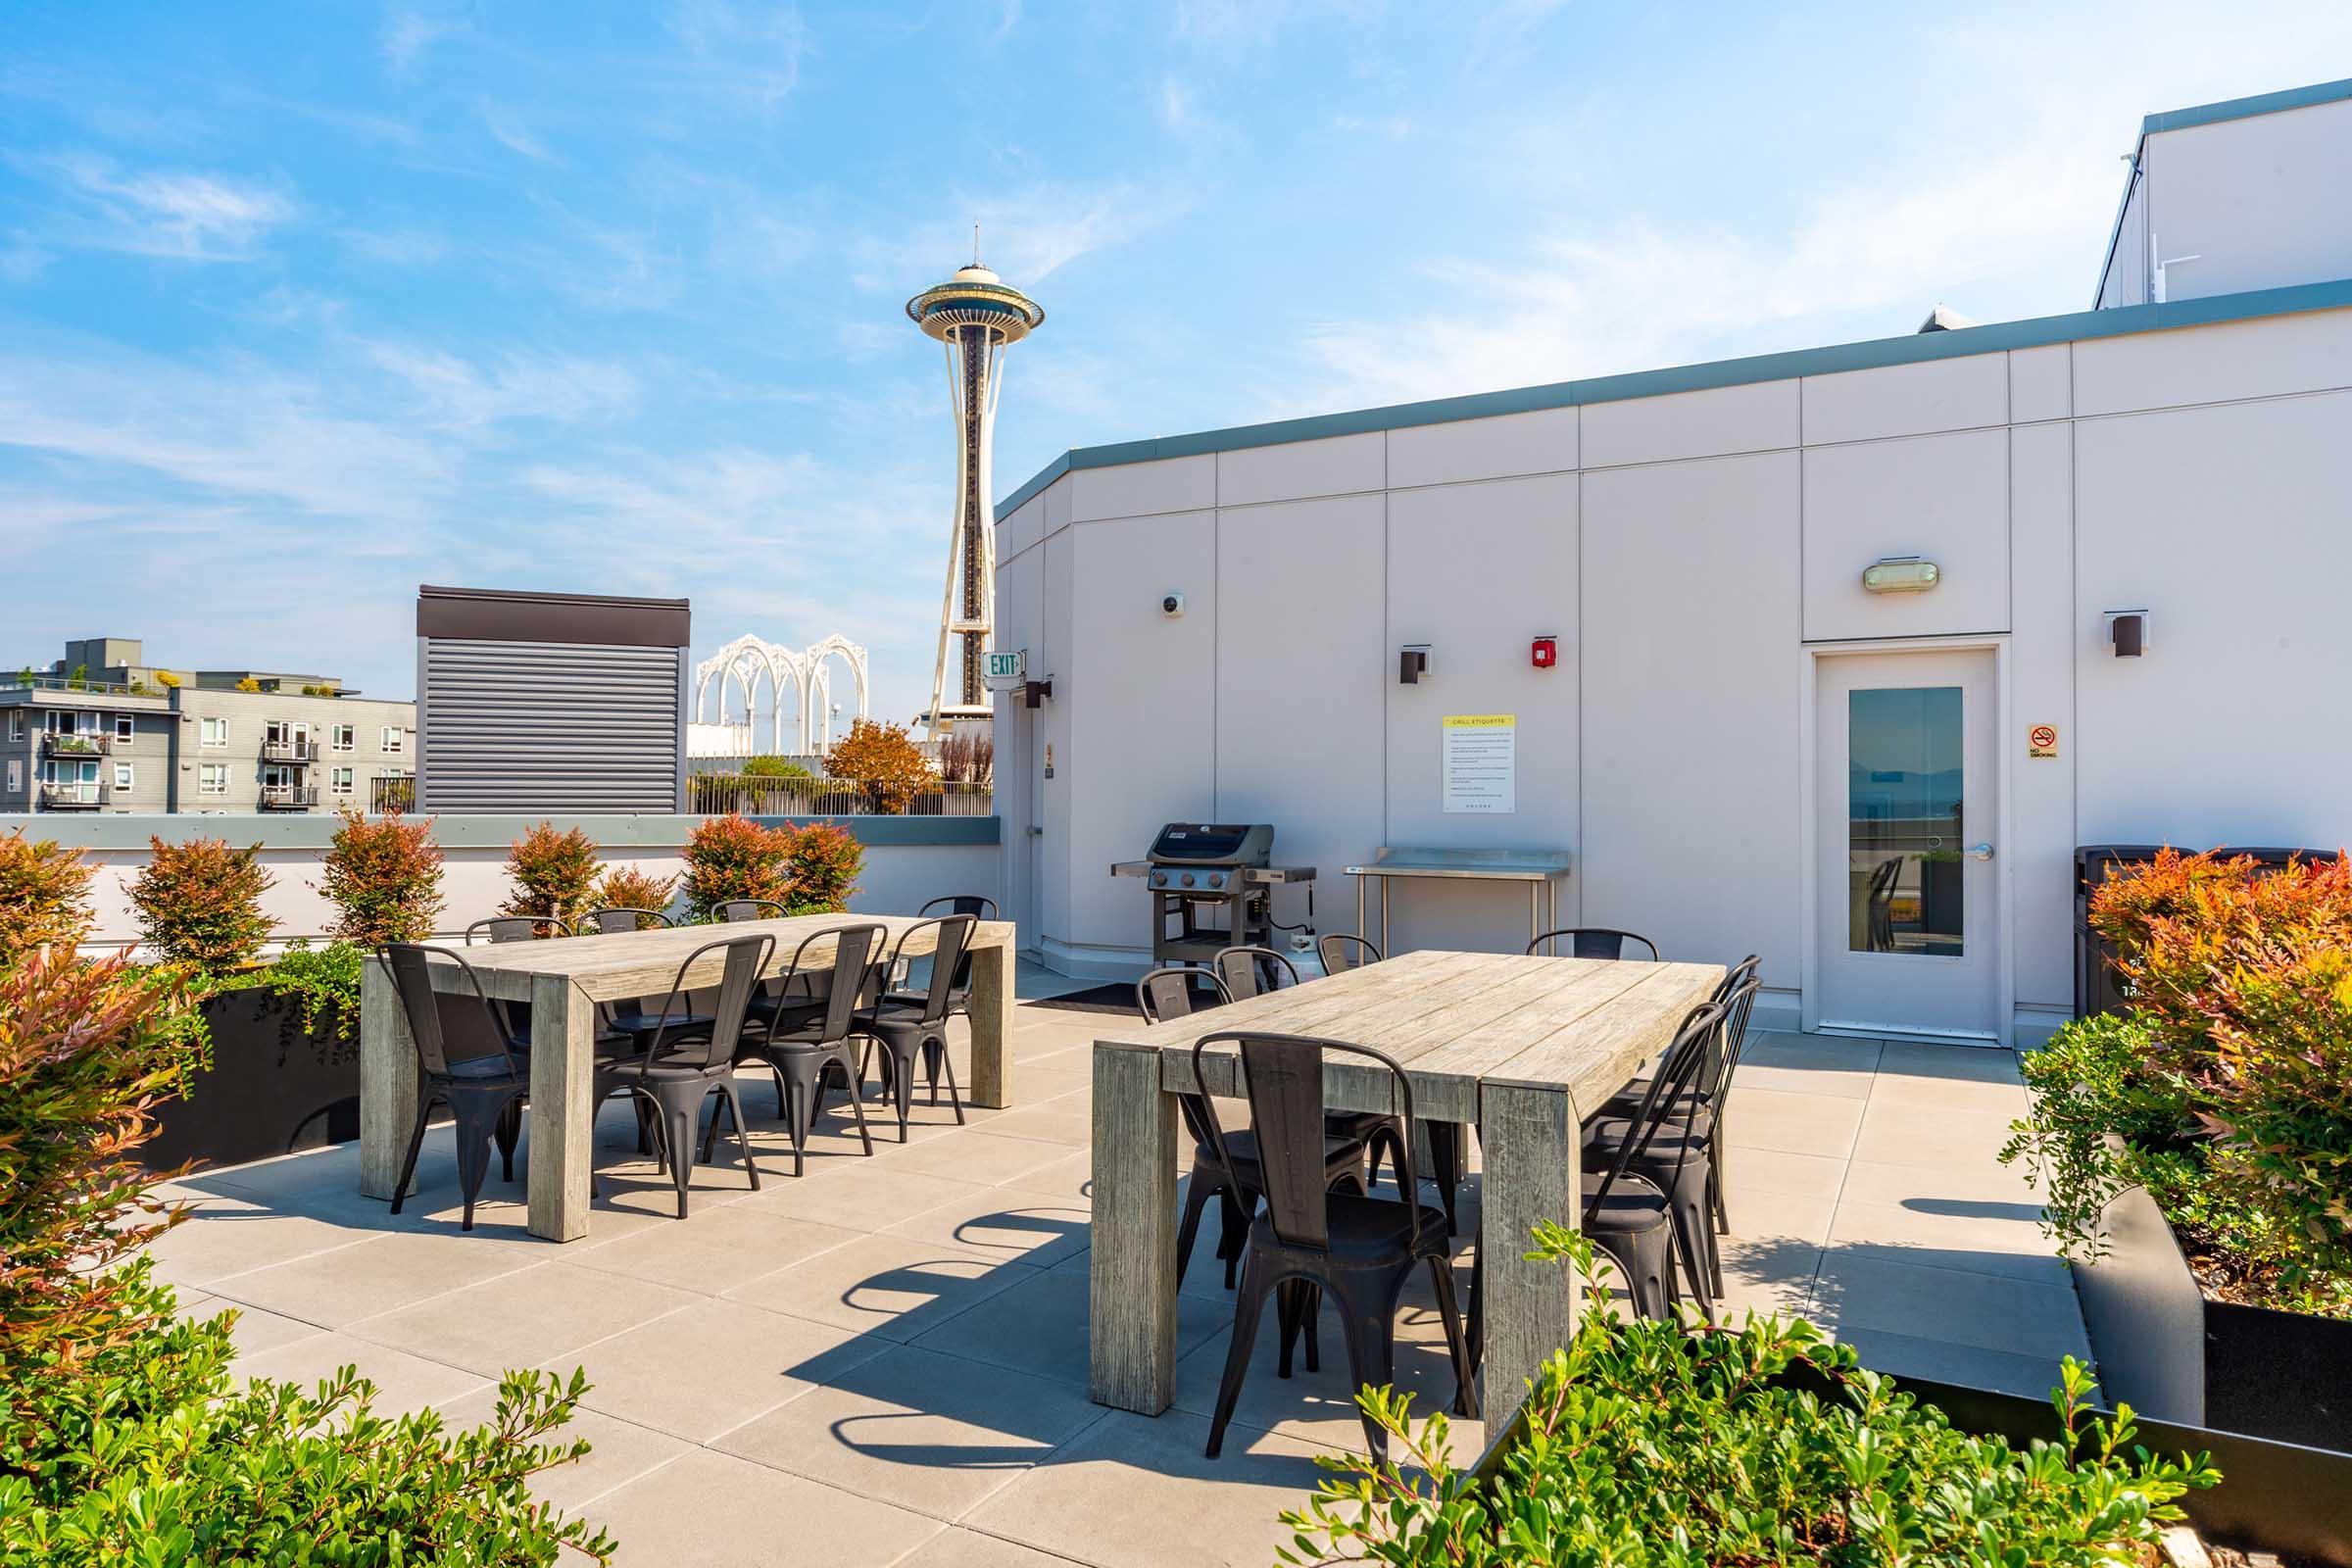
[565,978]
[1523,1047]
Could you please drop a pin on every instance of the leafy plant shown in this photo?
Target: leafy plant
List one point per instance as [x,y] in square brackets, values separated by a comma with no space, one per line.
[79,680]
[554,874]
[164,678]
[383,876]
[44,894]
[200,903]
[730,857]
[823,861]
[881,760]
[626,887]
[1648,1447]
[773,767]
[123,1437]
[319,979]
[248,684]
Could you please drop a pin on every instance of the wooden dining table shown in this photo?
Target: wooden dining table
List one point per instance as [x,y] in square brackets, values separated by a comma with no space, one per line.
[1522,1048]
[564,979]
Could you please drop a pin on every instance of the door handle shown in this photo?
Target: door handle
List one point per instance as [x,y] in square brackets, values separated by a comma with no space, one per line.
[1978,852]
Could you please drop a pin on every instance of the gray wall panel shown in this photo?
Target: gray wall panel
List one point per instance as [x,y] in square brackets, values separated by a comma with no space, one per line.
[524,726]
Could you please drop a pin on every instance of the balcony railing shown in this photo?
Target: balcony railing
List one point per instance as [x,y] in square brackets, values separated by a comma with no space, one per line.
[289,751]
[73,797]
[717,793]
[289,797]
[54,744]
[391,794]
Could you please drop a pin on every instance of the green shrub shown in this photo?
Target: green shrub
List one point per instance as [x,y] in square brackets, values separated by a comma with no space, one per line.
[626,887]
[554,874]
[319,979]
[200,903]
[773,767]
[823,861]
[730,857]
[384,877]
[125,1439]
[1648,1447]
[44,894]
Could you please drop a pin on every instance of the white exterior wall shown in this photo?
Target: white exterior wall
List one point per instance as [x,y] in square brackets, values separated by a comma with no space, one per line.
[1688,549]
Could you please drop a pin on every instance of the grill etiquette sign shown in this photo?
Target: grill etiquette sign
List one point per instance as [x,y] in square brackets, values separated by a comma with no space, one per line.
[1480,763]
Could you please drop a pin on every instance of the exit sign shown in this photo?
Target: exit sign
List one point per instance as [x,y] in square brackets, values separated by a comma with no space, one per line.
[1007,669]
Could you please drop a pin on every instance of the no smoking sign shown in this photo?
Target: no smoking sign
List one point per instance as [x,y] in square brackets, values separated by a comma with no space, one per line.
[2043,741]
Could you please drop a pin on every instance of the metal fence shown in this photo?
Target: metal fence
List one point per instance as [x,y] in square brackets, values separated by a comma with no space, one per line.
[392,793]
[717,793]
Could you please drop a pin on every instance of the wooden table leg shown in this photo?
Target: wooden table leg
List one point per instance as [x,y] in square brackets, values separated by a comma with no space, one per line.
[562,1107]
[1132,1265]
[387,1081]
[992,1026]
[1529,1137]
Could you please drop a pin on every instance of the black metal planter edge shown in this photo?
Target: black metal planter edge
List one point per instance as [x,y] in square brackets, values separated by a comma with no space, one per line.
[2272,1496]
[2169,1352]
[273,1087]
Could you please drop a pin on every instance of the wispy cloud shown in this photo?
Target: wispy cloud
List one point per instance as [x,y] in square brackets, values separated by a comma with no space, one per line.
[187,217]
[396,247]
[747,54]
[1026,234]
[407,36]
[509,132]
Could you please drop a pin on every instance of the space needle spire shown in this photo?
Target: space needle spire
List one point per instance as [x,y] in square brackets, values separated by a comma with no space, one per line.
[976,316]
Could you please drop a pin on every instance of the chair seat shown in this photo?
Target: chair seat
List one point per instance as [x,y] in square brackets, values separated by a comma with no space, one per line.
[1629,1209]
[638,1025]
[957,1000]
[1628,1101]
[1675,1135]
[1359,1125]
[1241,1147]
[1367,1229]
[784,1009]
[491,1069]
[899,1027]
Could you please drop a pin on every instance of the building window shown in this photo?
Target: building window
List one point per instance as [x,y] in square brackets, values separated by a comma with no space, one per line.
[346,737]
[394,738]
[90,721]
[126,727]
[16,725]
[214,732]
[16,775]
[213,778]
[122,775]
[342,781]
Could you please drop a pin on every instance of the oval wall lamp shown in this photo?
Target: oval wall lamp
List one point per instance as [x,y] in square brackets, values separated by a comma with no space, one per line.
[1901,574]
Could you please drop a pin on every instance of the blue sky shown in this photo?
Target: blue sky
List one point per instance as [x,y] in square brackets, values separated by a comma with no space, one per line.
[301,306]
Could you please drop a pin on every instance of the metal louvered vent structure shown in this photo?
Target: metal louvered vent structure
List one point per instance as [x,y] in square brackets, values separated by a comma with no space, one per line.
[530,702]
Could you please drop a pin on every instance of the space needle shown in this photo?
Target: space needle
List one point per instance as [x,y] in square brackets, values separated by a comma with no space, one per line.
[977,316]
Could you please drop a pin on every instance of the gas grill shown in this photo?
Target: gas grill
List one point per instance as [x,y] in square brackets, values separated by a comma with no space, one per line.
[1211,888]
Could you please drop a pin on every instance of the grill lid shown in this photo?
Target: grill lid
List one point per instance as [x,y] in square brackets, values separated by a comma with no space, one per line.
[1215,844]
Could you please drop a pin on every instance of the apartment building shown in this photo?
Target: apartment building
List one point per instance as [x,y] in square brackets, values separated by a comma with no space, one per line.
[104,731]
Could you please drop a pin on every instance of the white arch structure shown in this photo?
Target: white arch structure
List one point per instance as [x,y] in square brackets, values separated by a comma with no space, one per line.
[750,662]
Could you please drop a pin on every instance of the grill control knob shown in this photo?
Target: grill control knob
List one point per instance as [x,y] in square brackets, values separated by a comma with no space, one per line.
[1159,879]
[1216,879]
[1188,879]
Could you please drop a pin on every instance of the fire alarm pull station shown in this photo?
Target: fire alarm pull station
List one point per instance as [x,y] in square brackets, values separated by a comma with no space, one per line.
[1546,651]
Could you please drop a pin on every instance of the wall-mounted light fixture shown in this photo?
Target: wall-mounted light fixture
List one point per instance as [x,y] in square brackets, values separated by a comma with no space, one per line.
[2127,632]
[1035,693]
[1412,665]
[1901,574]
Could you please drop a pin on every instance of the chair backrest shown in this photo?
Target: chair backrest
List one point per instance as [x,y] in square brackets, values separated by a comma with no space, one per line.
[1248,971]
[516,928]
[972,903]
[1685,1059]
[1167,993]
[1592,942]
[1738,999]
[1283,1076]
[751,909]
[953,937]
[746,959]
[856,949]
[1341,952]
[410,964]
[622,919]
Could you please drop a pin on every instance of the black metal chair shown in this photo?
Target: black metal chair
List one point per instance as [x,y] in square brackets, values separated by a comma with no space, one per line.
[483,1088]
[1592,942]
[516,928]
[906,1029]
[959,991]
[735,909]
[1342,953]
[1166,994]
[1250,971]
[620,917]
[1627,1215]
[807,1048]
[1358,1251]
[683,1057]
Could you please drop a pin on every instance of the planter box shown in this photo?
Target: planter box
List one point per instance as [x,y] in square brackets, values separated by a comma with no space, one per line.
[2161,1346]
[273,1087]
[2272,1496]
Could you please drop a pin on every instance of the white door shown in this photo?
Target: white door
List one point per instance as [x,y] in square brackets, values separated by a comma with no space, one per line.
[1908,803]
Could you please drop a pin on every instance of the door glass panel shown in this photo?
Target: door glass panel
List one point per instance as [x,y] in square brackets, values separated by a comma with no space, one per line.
[1903,796]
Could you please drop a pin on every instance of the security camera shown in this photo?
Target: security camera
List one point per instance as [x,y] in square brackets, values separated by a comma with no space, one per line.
[1171,605]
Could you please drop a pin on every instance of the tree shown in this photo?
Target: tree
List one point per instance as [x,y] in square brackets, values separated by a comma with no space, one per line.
[554,874]
[384,877]
[882,761]
[200,903]
[249,684]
